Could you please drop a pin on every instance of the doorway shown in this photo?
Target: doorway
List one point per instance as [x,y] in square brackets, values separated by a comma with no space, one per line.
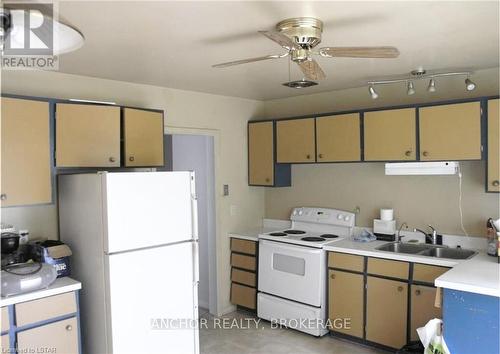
[191,152]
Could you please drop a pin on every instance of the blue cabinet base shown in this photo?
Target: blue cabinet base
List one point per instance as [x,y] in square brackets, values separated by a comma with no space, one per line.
[471,322]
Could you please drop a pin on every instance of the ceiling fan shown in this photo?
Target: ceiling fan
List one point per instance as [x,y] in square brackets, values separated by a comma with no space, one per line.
[299,36]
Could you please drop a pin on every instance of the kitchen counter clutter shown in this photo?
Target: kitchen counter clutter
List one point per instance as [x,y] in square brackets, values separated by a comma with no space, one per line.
[479,274]
[43,321]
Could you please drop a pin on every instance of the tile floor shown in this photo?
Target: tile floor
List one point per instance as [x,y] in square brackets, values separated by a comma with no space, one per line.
[266,340]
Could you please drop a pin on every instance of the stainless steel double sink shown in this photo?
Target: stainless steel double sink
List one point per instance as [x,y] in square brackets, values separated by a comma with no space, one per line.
[427,250]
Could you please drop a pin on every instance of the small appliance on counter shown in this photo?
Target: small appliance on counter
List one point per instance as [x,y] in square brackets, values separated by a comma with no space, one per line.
[385,227]
[55,253]
[19,274]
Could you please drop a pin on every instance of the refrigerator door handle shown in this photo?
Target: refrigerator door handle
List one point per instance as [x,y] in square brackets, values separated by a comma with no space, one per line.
[194,207]
[196,265]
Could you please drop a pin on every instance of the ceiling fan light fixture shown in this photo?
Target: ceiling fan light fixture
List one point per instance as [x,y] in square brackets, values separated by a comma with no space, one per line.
[299,84]
[432,85]
[373,93]
[469,85]
[411,88]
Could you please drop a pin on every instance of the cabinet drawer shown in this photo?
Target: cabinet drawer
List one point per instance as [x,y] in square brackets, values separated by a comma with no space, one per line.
[345,261]
[243,246]
[388,268]
[61,337]
[46,308]
[427,273]
[241,261]
[5,319]
[243,296]
[240,276]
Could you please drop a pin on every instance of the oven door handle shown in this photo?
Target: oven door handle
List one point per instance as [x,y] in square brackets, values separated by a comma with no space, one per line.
[281,246]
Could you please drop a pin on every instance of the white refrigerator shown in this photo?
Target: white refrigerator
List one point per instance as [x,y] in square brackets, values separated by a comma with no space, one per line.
[135,250]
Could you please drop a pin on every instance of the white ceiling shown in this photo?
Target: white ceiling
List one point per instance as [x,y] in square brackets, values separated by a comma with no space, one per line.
[174,44]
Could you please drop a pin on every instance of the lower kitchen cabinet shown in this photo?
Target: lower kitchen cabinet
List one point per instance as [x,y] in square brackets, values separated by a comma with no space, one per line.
[386,311]
[244,273]
[48,324]
[345,298]
[56,337]
[422,308]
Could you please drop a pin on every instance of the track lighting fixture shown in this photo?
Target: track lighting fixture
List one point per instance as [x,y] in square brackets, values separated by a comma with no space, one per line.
[373,93]
[411,89]
[469,85]
[432,85]
[420,74]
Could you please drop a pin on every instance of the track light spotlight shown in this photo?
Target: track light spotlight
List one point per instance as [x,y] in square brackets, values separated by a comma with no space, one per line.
[432,85]
[469,85]
[411,88]
[373,93]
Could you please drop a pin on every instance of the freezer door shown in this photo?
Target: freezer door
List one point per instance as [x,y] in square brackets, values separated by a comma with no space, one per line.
[152,301]
[144,209]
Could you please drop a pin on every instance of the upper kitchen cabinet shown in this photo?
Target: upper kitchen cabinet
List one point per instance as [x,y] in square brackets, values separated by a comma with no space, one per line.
[143,134]
[295,140]
[87,135]
[25,156]
[450,132]
[493,147]
[390,135]
[262,167]
[338,138]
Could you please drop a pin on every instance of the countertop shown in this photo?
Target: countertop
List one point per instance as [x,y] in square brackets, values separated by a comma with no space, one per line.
[59,286]
[479,274]
[251,234]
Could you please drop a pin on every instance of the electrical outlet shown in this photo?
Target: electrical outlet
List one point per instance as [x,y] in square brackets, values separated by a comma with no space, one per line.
[233,210]
[225,190]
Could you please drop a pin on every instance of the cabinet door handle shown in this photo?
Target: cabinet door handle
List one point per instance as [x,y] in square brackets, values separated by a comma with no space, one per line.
[308,156]
[268,180]
[417,292]
[400,288]
[131,158]
[425,153]
[332,276]
[320,156]
[112,159]
[69,327]
[408,153]
[3,196]
[496,183]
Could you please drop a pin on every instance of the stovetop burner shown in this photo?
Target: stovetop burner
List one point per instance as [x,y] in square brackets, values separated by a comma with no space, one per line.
[329,236]
[313,239]
[294,232]
[277,234]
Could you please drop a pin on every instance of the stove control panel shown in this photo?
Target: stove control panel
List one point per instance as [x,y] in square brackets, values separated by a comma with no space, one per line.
[324,216]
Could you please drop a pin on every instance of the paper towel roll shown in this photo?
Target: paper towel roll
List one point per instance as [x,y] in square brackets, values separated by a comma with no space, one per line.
[386,214]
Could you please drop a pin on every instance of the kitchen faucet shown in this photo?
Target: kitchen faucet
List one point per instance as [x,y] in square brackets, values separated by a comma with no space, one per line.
[433,237]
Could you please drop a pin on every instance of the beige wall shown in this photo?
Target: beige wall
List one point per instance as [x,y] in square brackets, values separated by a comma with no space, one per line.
[418,200]
[226,116]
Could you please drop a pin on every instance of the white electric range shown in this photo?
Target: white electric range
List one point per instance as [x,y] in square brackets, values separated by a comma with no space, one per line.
[292,268]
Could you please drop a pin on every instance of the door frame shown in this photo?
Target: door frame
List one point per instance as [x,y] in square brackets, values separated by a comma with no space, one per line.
[214,266]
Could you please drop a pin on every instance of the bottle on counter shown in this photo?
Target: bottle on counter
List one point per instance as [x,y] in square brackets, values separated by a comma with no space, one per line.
[492,238]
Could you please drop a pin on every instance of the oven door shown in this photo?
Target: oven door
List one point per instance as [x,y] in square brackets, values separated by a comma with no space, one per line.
[292,272]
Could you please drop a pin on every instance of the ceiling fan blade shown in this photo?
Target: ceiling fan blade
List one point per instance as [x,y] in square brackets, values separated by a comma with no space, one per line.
[249,60]
[281,39]
[312,70]
[360,52]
